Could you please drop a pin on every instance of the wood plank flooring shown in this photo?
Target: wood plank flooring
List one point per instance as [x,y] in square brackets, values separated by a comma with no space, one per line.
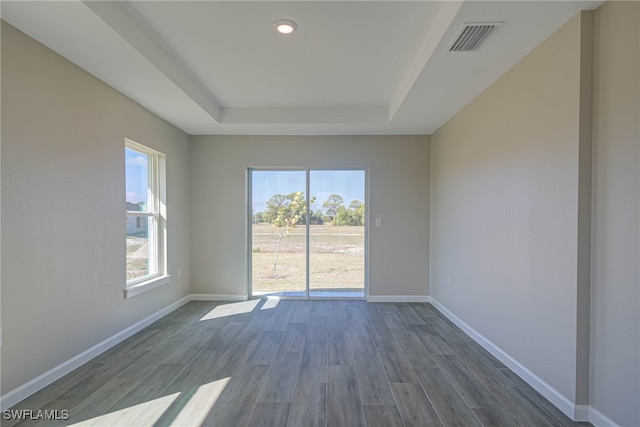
[295,363]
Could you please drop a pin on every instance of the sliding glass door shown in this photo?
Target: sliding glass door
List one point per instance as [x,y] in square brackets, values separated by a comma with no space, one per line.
[307,246]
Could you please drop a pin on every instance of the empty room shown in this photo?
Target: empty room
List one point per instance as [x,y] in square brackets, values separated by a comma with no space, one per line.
[320,213]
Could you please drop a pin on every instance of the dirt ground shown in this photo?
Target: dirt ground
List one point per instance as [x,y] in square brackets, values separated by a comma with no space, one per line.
[137,257]
[336,259]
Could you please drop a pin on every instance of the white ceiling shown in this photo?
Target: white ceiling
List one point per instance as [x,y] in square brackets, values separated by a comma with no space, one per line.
[359,67]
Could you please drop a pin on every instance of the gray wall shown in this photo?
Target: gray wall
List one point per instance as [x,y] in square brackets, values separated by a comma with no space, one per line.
[504,211]
[63,242]
[398,168]
[615,285]
[535,190]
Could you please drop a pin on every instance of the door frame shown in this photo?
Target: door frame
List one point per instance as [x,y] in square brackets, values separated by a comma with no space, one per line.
[249,221]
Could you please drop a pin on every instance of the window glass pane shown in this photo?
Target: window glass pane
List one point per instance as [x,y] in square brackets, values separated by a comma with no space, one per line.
[137,180]
[138,246]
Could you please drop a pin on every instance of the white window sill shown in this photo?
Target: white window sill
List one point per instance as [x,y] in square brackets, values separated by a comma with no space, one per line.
[139,288]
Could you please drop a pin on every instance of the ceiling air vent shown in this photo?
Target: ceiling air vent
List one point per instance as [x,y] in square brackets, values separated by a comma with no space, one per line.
[472,35]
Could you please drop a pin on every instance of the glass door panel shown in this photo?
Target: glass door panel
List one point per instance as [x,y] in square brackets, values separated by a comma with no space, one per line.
[278,233]
[337,233]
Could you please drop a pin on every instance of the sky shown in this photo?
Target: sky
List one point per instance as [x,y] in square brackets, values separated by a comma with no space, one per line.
[136,176]
[347,183]
[322,183]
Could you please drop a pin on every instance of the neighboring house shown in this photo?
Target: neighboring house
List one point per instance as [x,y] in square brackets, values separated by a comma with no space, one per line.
[136,225]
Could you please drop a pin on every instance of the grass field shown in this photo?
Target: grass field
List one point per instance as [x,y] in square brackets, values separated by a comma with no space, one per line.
[336,259]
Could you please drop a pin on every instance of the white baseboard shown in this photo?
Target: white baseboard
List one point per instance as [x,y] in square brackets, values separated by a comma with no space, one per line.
[397,298]
[580,413]
[41,381]
[598,419]
[550,393]
[218,297]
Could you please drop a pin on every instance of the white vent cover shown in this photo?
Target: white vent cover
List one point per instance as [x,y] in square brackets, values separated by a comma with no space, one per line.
[472,35]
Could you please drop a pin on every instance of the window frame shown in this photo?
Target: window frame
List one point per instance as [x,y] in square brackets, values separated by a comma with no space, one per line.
[157,229]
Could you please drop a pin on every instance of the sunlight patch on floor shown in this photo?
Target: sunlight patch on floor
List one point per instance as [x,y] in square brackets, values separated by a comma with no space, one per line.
[231,309]
[197,408]
[146,413]
[270,302]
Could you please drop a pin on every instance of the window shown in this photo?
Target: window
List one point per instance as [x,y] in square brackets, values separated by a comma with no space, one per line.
[146,218]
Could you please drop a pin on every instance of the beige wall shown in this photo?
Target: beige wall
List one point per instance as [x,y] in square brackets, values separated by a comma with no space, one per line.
[398,168]
[504,211]
[535,207]
[63,224]
[615,286]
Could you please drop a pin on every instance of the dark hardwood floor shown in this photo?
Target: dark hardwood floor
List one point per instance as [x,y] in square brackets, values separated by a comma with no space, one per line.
[296,363]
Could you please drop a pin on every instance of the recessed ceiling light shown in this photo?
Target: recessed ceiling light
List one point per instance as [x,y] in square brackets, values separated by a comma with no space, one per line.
[285,26]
